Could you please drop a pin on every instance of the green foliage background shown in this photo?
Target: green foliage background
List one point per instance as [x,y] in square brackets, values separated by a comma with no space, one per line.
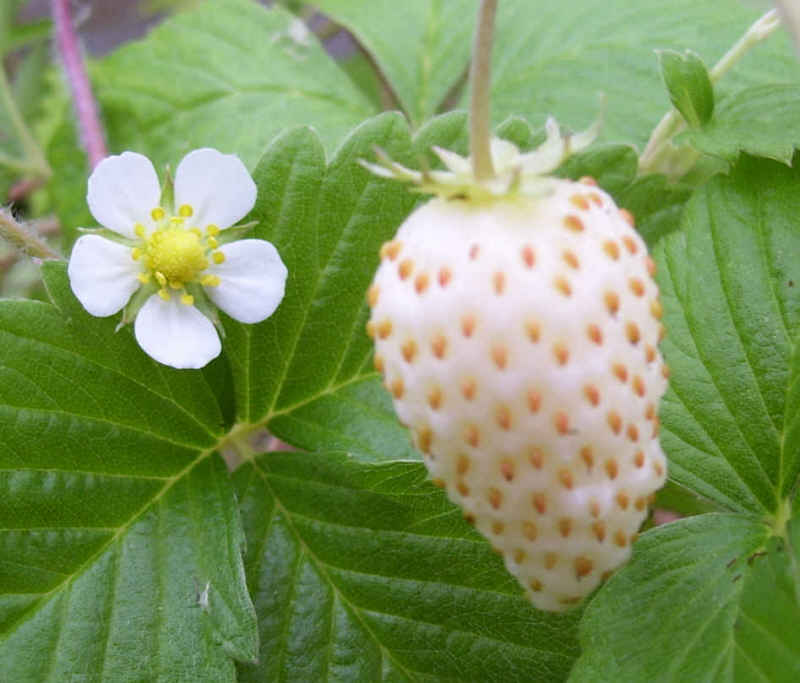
[128,552]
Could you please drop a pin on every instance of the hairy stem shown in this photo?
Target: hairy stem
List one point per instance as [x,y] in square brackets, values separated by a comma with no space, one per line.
[24,239]
[480,73]
[658,146]
[75,69]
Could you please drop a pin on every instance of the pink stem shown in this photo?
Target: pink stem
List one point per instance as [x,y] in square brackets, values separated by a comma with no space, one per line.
[21,189]
[85,104]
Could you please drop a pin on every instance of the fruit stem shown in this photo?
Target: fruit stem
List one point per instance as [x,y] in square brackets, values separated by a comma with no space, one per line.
[659,149]
[480,74]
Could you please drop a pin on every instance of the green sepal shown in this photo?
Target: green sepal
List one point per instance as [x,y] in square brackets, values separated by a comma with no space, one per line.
[203,304]
[689,85]
[135,303]
[105,233]
[237,232]
[168,192]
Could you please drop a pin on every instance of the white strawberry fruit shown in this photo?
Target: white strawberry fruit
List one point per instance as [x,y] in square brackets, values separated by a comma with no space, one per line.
[517,331]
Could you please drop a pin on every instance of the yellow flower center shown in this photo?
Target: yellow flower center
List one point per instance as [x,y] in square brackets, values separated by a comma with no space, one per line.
[175,255]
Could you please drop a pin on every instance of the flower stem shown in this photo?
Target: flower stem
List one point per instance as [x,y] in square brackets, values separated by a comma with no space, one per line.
[24,239]
[480,73]
[75,68]
[658,146]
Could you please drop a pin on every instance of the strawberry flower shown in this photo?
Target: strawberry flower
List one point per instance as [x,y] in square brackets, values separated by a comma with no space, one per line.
[168,262]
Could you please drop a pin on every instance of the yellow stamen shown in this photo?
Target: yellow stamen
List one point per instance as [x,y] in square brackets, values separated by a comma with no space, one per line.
[210,280]
[185,211]
[164,294]
[175,221]
[139,230]
[212,230]
[176,285]
[196,231]
[187,299]
[161,279]
[144,278]
[218,257]
[136,253]
[158,213]
[212,243]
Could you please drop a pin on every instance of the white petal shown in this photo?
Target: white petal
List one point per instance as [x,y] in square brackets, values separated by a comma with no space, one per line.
[123,190]
[217,186]
[252,280]
[176,334]
[102,274]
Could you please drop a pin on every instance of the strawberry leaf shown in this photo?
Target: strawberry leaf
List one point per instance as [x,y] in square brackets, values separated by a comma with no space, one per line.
[732,312]
[762,121]
[765,634]
[612,166]
[306,373]
[556,58]
[790,446]
[425,53]
[683,501]
[364,572]
[121,534]
[231,75]
[657,205]
[688,84]
[721,604]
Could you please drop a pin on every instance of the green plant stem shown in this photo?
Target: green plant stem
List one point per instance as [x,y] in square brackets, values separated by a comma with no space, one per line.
[658,149]
[480,75]
[23,239]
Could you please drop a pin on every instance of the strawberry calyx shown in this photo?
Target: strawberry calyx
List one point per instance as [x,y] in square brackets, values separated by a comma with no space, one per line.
[515,173]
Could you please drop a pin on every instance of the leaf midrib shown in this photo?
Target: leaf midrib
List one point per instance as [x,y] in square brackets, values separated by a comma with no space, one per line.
[323,569]
[743,348]
[697,358]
